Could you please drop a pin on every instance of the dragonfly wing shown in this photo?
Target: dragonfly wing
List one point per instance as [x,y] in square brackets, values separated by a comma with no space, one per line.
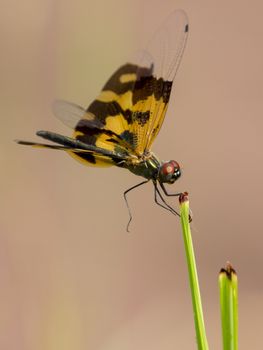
[90,127]
[152,91]
[133,102]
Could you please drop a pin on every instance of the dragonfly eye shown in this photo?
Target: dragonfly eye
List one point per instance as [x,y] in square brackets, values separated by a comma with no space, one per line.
[169,172]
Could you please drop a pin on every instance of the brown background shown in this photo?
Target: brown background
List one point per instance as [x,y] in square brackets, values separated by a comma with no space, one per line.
[71,277]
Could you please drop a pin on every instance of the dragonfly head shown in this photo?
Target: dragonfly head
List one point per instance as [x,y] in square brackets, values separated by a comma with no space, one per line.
[169,172]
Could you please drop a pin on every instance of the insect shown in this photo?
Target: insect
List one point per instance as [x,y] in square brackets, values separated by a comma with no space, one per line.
[120,125]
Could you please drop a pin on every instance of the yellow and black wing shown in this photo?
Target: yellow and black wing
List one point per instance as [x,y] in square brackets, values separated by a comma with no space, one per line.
[133,102]
[90,129]
[152,92]
[110,150]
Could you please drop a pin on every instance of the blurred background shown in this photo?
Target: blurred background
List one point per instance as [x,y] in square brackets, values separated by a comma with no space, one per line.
[71,276]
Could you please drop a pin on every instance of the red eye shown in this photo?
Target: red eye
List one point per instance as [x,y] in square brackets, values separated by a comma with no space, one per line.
[168,168]
[169,172]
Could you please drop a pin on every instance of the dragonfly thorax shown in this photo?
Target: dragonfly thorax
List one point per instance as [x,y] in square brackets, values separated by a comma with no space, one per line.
[151,168]
[169,172]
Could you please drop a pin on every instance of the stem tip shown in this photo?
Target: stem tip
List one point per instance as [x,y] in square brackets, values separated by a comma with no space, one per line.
[183,197]
[228,270]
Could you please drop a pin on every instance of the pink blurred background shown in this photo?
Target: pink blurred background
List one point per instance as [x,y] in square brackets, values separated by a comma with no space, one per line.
[71,277]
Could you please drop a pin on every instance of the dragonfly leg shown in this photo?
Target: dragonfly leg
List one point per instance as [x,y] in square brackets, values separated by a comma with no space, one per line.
[126,201]
[169,194]
[174,195]
[164,205]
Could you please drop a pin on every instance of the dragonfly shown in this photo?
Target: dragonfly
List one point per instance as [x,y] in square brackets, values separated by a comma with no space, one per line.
[118,128]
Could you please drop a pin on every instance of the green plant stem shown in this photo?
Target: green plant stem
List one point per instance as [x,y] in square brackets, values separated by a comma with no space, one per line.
[192,272]
[228,288]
